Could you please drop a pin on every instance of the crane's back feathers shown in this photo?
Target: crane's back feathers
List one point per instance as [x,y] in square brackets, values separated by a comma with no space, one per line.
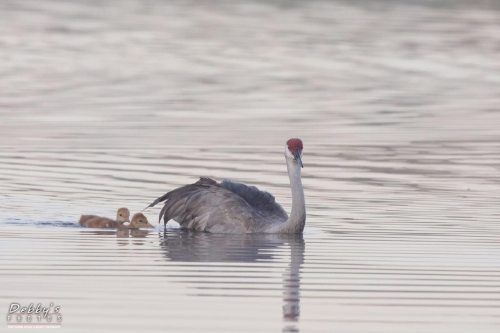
[262,201]
[227,207]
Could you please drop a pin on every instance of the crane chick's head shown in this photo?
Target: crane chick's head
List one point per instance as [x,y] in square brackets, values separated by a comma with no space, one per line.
[123,215]
[139,221]
[294,150]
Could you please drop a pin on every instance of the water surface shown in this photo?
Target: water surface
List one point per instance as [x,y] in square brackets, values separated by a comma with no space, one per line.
[105,105]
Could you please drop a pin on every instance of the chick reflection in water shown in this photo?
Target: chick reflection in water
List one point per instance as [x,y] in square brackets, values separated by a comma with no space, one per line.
[185,246]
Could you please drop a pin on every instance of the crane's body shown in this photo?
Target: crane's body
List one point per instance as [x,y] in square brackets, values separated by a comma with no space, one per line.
[230,207]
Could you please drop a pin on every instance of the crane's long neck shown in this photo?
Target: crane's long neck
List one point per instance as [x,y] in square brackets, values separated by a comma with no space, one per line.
[297,220]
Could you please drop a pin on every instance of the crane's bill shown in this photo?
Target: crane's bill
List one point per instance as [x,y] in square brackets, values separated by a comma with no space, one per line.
[297,156]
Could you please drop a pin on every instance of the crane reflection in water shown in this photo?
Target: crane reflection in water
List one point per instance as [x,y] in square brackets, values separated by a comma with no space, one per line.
[189,246]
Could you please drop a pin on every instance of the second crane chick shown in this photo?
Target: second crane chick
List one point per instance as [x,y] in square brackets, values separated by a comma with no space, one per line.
[139,221]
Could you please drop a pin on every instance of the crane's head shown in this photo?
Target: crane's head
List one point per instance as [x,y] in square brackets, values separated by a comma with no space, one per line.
[294,150]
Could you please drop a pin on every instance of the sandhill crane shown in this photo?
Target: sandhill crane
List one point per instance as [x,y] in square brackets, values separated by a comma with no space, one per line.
[230,207]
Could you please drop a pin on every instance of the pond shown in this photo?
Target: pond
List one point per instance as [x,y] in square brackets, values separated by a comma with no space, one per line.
[397,103]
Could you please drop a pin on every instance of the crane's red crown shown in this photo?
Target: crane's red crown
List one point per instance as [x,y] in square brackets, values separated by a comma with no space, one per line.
[294,144]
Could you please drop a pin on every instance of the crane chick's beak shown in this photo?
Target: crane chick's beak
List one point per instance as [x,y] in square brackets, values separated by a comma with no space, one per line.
[296,154]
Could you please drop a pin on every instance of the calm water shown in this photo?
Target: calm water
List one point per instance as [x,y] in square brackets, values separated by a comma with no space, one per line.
[107,104]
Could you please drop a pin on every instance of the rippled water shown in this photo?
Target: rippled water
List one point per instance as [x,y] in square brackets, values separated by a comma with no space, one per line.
[105,105]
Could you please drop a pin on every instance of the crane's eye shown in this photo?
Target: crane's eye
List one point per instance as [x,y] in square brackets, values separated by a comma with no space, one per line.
[121,215]
[140,221]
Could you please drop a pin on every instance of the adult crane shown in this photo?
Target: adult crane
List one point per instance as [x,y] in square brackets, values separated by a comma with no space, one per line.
[230,207]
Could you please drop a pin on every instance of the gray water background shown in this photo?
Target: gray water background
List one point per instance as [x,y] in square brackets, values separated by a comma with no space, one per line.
[106,104]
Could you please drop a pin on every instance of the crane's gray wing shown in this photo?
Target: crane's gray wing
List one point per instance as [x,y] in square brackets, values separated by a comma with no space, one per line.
[207,206]
[263,202]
